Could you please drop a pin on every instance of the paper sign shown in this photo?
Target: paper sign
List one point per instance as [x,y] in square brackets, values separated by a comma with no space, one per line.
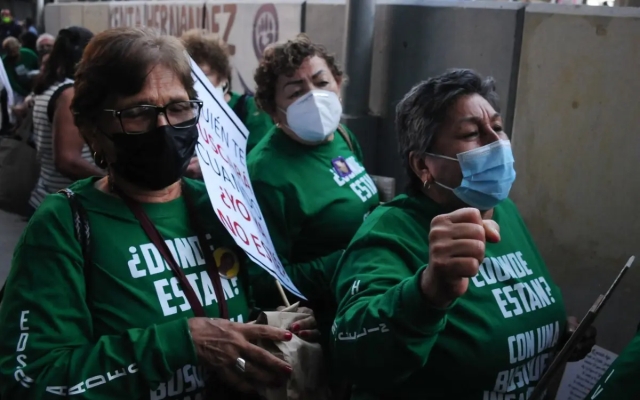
[221,152]
[580,377]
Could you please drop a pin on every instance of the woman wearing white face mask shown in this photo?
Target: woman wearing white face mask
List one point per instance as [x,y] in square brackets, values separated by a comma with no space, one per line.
[307,173]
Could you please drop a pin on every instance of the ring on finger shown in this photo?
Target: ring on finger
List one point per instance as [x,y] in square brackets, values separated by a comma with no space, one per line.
[240,364]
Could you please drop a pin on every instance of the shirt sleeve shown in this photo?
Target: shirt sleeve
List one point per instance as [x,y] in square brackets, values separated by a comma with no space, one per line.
[48,348]
[384,329]
[284,222]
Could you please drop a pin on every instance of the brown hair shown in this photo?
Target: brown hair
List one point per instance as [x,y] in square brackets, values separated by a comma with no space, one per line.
[116,63]
[11,43]
[207,48]
[285,59]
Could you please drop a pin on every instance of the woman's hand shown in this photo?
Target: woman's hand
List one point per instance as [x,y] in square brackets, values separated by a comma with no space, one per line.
[305,328]
[456,249]
[585,344]
[219,343]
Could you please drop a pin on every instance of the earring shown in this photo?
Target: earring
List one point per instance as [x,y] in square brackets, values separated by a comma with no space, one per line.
[426,184]
[99,162]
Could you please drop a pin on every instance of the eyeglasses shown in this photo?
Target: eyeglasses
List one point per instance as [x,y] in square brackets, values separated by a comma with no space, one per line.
[143,118]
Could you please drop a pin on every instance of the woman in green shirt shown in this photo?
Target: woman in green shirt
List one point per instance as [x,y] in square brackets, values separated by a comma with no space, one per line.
[132,307]
[622,379]
[442,292]
[307,173]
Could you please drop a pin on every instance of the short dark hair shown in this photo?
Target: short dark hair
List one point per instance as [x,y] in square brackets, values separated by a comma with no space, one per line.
[421,112]
[116,63]
[207,48]
[285,59]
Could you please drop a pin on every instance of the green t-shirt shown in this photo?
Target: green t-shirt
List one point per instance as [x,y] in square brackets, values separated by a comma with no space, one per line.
[494,342]
[310,210]
[622,379]
[17,71]
[122,332]
[258,122]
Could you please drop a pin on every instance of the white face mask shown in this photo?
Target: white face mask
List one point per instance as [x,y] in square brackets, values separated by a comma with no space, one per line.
[315,115]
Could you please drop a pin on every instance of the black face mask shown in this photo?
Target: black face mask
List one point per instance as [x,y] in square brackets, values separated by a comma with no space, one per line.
[155,159]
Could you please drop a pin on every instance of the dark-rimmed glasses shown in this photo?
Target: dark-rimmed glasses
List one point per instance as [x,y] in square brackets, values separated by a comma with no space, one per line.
[144,118]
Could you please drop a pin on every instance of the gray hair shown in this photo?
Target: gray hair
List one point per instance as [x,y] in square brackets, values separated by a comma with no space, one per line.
[43,37]
[421,112]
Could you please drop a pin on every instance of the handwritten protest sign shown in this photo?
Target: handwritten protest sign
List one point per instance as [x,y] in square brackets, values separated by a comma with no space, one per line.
[221,153]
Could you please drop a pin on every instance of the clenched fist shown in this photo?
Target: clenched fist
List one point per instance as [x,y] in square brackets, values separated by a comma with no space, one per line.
[456,249]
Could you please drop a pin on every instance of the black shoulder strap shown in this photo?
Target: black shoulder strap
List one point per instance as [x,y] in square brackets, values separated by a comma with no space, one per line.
[51,106]
[81,230]
[241,107]
[80,226]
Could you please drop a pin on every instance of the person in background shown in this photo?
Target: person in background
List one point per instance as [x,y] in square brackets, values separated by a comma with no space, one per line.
[437,284]
[28,40]
[64,155]
[8,26]
[312,206]
[19,62]
[29,26]
[44,44]
[146,331]
[212,56]
[620,381]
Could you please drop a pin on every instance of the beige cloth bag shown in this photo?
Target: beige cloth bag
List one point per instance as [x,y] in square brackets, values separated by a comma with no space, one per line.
[308,380]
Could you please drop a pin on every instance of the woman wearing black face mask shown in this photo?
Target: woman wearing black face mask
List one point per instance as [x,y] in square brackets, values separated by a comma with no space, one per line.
[143,313]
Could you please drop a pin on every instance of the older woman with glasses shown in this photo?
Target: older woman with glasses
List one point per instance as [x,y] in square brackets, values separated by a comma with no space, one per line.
[132,304]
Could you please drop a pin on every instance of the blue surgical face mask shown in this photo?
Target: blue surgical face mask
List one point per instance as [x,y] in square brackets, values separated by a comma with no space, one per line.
[487,174]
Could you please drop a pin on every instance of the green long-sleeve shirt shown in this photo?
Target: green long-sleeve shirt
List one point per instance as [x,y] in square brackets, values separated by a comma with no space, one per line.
[622,380]
[122,332]
[494,342]
[311,208]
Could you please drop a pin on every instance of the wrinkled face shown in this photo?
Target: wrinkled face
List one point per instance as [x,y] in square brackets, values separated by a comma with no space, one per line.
[161,87]
[313,74]
[470,123]
[45,45]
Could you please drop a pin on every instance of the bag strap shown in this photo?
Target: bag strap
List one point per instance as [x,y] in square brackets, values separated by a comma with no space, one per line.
[196,225]
[81,230]
[240,108]
[345,136]
[51,106]
[156,238]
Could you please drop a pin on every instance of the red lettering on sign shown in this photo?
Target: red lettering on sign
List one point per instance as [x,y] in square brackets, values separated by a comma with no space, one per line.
[256,242]
[241,233]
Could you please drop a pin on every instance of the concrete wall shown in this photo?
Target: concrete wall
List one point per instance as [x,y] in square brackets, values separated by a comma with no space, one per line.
[417,42]
[577,149]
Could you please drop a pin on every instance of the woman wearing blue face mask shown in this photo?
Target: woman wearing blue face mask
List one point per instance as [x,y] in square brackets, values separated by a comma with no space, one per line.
[307,172]
[442,292]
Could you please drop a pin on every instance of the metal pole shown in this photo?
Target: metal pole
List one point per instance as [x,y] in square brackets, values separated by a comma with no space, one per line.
[358,55]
